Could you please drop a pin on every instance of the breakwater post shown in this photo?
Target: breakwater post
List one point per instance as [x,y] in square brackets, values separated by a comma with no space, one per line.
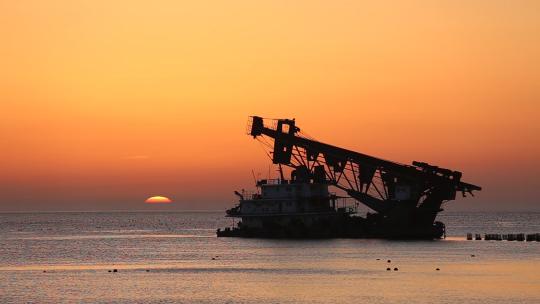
[533,237]
[520,237]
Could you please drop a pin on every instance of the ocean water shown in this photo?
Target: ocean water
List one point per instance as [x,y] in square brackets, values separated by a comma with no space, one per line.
[168,257]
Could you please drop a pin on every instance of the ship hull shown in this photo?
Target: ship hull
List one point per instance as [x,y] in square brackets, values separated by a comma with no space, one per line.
[337,227]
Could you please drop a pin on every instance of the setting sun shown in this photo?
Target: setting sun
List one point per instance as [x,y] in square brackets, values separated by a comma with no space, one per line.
[158,200]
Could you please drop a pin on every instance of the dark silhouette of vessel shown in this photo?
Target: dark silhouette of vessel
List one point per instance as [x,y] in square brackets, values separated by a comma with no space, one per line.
[404,199]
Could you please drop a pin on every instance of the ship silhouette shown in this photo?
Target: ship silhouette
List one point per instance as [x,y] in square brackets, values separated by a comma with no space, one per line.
[404,199]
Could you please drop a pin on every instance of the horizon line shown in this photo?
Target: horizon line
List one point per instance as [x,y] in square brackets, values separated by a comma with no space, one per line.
[221,210]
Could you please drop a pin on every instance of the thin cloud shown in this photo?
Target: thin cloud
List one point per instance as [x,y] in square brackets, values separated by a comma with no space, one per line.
[137,157]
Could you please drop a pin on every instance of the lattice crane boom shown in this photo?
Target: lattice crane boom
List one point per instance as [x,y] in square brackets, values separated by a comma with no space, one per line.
[401,194]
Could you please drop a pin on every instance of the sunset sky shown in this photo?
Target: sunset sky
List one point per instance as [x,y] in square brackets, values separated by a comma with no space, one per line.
[106,103]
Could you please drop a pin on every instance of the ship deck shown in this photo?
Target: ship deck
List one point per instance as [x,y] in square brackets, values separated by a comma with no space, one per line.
[346,212]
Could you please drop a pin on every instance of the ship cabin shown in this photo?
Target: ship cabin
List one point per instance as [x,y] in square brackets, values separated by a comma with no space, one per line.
[280,200]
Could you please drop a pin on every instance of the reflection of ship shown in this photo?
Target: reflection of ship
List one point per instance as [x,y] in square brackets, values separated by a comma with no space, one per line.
[405,199]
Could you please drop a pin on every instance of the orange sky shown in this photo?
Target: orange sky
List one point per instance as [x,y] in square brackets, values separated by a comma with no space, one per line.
[105,103]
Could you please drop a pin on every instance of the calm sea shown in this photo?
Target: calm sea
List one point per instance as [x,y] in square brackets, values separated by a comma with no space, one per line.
[176,258]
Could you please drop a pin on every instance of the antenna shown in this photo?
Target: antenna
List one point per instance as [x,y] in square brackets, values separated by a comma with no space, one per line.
[254,178]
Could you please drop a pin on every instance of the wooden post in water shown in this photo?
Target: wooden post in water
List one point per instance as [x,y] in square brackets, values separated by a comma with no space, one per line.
[493,237]
[520,237]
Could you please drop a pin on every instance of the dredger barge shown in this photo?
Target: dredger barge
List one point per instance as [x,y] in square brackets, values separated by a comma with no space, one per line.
[404,200]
